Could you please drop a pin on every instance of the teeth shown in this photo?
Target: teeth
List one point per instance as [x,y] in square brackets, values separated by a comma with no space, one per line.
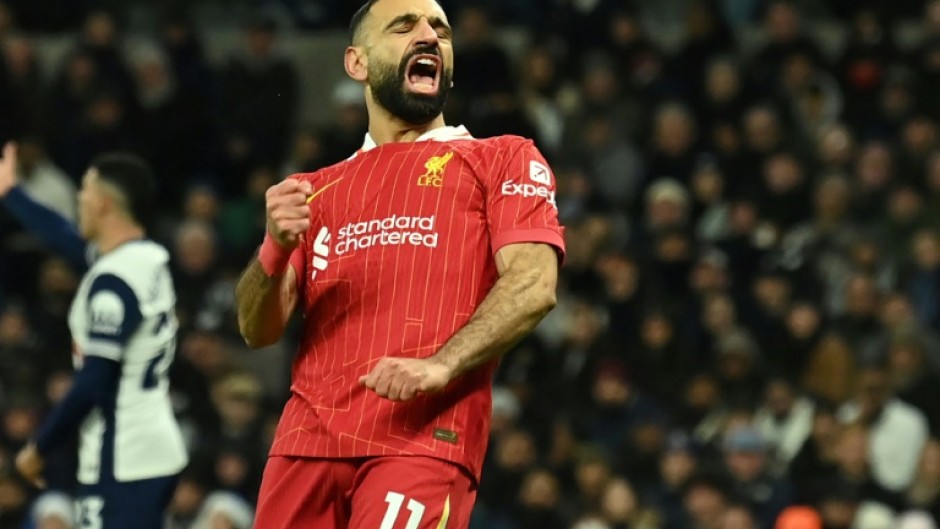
[426,62]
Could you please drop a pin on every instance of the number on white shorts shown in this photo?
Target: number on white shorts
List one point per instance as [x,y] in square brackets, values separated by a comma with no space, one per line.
[89,512]
[395,501]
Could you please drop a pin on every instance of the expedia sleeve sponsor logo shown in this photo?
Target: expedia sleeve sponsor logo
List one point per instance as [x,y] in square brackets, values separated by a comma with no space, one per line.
[511,188]
[539,173]
[390,231]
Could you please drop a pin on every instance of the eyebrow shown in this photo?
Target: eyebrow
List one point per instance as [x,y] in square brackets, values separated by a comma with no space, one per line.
[412,18]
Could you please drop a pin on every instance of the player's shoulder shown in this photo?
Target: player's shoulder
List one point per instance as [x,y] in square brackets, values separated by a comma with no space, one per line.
[320,175]
[506,141]
[500,146]
[132,261]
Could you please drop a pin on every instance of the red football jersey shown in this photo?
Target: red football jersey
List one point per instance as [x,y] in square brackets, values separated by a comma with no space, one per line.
[399,255]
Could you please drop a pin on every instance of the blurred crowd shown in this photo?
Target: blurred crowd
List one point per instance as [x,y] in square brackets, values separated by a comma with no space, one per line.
[748,327]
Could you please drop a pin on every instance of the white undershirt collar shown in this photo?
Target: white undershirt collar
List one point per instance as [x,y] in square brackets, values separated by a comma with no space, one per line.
[445,133]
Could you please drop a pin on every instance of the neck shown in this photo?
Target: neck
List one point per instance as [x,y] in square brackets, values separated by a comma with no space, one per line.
[386,128]
[116,234]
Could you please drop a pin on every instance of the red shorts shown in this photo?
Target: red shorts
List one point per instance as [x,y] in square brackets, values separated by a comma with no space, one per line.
[368,493]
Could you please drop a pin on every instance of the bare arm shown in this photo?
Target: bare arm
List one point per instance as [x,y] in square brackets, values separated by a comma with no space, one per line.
[266,294]
[521,297]
[264,304]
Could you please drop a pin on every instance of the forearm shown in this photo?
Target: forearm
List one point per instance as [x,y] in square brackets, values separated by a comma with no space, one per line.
[264,304]
[92,387]
[51,228]
[511,310]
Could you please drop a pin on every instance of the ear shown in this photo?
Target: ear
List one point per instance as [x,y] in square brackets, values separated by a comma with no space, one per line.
[357,64]
[107,202]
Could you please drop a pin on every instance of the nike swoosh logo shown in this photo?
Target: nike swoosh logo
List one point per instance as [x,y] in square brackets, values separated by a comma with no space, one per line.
[322,189]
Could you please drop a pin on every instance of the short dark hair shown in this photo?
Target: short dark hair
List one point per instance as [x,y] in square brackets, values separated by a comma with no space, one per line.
[356,23]
[134,179]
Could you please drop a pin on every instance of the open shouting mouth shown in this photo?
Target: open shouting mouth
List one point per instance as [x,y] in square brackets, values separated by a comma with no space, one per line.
[423,74]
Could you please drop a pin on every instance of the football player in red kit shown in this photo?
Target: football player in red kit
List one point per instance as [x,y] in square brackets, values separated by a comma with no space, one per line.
[416,263]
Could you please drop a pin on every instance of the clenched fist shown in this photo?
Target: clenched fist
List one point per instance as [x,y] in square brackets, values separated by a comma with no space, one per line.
[399,379]
[288,215]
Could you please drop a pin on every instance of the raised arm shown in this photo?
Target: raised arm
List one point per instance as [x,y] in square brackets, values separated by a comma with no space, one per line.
[54,230]
[267,291]
[520,298]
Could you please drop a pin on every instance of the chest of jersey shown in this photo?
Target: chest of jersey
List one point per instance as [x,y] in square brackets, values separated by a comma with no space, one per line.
[403,207]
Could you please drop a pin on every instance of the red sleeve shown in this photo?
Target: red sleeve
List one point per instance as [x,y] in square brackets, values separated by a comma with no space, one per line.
[520,198]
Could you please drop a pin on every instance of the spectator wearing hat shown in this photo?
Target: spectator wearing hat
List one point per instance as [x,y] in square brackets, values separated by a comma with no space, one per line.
[666,210]
[667,205]
[747,461]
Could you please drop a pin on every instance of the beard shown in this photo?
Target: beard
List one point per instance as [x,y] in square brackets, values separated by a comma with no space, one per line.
[387,84]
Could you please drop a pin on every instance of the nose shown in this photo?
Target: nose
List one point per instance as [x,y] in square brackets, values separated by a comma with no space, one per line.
[425,34]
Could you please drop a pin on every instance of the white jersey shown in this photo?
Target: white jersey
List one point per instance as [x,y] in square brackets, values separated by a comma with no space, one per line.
[125,311]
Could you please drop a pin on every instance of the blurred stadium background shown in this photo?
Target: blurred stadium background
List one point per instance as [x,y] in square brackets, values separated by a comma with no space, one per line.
[748,319]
